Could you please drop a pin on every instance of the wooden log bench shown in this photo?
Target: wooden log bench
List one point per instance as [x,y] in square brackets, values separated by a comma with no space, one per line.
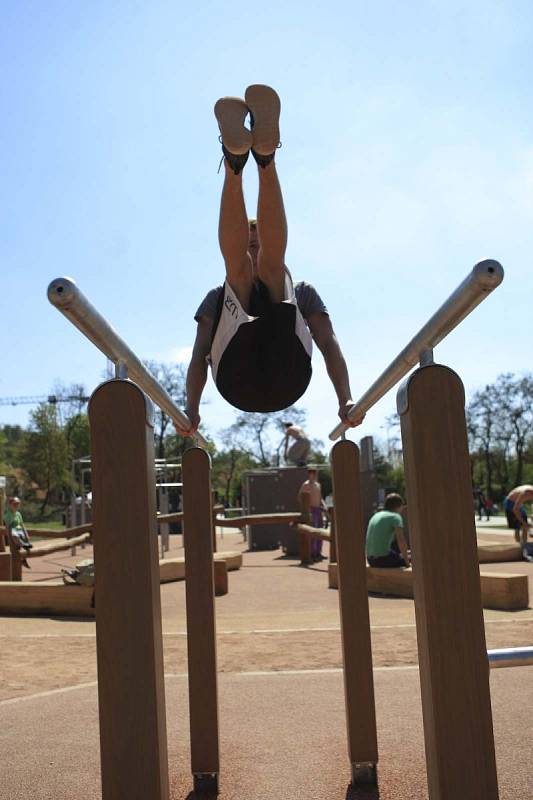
[36,599]
[499,552]
[499,590]
[71,600]
[173,569]
[55,546]
[284,518]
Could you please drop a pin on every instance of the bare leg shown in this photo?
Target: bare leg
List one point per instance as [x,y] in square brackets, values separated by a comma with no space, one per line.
[272,232]
[233,235]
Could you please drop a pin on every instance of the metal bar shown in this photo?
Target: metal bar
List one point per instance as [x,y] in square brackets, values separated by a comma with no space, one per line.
[485,276]
[67,298]
[510,657]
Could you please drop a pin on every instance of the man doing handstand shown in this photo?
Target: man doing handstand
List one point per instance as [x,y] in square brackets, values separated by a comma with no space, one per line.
[257,329]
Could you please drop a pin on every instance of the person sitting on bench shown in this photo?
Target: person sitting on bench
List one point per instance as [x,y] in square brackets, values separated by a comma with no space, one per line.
[256,330]
[18,536]
[385,542]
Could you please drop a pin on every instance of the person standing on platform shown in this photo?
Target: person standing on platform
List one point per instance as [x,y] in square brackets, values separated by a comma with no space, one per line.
[313,488]
[385,543]
[298,452]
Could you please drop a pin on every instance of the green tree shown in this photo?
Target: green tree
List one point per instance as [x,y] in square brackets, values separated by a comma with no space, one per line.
[172,378]
[227,468]
[390,477]
[12,436]
[500,424]
[45,455]
[482,427]
[78,436]
[255,433]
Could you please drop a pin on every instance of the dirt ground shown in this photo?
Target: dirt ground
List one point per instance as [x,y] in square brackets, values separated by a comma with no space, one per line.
[277,616]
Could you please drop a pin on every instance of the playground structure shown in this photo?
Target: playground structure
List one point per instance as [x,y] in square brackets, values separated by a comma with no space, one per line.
[452,650]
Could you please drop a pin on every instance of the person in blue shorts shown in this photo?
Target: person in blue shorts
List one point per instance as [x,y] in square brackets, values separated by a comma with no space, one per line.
[256,330]
[516,514]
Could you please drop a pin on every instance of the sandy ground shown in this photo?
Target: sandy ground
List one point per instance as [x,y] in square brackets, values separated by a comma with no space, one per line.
[277,616]
[282,719]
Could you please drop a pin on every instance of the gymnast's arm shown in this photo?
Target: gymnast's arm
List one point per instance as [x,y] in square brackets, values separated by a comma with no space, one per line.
[197,373]
[326,341]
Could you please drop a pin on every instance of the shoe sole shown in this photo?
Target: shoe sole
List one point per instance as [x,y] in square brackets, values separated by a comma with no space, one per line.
[231,113]
[265,106]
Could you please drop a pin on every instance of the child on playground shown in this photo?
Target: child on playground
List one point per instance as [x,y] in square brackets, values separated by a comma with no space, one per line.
[16,530]
[257,329]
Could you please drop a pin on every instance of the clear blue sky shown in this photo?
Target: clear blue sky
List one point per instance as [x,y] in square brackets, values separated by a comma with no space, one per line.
[407,156]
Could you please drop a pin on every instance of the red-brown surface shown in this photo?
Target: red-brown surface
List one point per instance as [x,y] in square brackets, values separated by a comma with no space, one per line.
[281,700]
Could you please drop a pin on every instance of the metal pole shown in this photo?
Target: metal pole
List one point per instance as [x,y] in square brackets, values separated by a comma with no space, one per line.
[485,276]
[510,657]
[67,298]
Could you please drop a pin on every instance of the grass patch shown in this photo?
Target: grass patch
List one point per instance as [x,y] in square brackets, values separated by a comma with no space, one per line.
[50,526]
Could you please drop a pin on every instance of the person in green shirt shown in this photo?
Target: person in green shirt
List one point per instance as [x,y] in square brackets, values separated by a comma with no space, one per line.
[16,530]
[385,543]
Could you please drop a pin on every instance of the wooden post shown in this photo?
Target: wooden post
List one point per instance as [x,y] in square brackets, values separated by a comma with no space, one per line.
[131,695]
[221,578]
[305,517]
[2,505]
[201,636]
[333,540]
[454,672]
[5,566]
[355,619]
[16,561]
[214,513]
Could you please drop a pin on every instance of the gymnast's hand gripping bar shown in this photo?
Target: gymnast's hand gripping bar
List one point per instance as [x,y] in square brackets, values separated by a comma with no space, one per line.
[67,298]
[485,276]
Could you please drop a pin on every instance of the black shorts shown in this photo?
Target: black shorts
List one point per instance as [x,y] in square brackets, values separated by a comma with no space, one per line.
[265,366]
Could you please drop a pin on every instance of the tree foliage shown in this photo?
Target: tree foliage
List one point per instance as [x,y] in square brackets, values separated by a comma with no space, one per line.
[44,455]
[260,436]
[500,430]
[172,378]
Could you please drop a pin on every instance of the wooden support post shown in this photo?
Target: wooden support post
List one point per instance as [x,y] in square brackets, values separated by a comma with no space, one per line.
[201,636]
[5,566]
[221,578]
[454,671]
[305,516]
[16,561]
[333,540]
[354,613]
[2,505]
[133,740]
[213,517]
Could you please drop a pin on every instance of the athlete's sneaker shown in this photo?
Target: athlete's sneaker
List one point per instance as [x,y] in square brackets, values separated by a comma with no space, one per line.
[265,106]
[235,137]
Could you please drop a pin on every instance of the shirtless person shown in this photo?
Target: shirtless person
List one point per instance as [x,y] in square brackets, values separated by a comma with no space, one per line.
[256,330]
[516,512]
[317,506]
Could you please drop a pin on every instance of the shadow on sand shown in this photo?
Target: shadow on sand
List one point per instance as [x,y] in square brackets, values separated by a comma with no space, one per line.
[362,792]
[352,793]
